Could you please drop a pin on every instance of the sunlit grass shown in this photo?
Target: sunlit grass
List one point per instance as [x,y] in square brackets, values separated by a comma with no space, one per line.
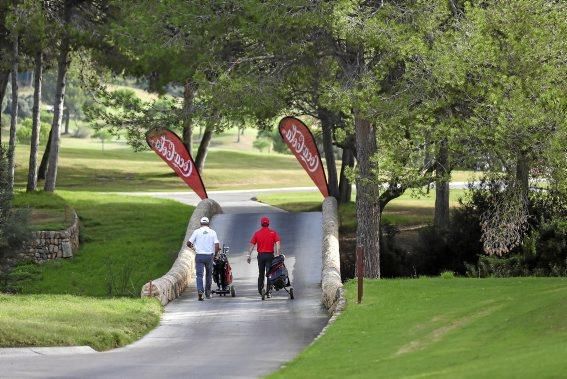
[65,320]
[444,328]
[83,166]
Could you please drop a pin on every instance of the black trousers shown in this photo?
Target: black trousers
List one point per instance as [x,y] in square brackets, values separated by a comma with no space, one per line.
[264,264]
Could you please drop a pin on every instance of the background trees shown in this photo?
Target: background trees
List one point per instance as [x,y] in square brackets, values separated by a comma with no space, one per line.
[409,90]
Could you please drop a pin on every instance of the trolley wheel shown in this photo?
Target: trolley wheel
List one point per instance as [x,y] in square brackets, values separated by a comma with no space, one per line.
[291,293]
[232,291]
[263,294]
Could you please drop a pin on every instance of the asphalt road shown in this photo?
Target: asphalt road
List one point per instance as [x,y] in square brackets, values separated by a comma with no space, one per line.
[241,337]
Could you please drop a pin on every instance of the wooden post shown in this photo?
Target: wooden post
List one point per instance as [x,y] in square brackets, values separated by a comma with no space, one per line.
[360,271]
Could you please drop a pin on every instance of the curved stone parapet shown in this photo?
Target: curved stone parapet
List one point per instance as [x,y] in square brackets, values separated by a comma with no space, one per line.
[47,245]
[174,282]
[331,285]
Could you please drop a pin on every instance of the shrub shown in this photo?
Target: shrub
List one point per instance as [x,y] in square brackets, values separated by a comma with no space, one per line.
[25,106]
[82,132]
[21,275]
[23,134]
[262,144]
[447,275]
[542,250]
[46,117]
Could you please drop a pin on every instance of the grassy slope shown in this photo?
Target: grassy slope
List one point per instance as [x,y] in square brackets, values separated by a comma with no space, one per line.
[64,320]
[436,328]
[126,242]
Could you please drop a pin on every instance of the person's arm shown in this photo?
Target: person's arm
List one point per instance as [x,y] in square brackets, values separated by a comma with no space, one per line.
[217,245]
[191,241]
[277,239]
[250,249]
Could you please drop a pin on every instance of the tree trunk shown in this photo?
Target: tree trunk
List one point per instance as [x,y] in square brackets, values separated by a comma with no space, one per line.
[203,149]
[36,122]
[442,170]
[188,99]
[367,199]
[238,135]
[523,175]
[327,126]
[62,67]
[14,110]
[4,78]
[345,186]
[44,159]
[66,118]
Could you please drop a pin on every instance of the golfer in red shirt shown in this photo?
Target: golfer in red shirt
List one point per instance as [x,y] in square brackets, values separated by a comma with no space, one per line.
[267,243]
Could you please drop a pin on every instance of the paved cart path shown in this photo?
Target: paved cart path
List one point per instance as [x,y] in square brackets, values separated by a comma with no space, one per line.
[221,337]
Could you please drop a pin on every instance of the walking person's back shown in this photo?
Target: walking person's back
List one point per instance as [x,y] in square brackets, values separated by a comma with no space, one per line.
[206,244]
[267,242]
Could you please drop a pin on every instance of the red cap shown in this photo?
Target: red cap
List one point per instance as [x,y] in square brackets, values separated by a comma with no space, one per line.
[264,221]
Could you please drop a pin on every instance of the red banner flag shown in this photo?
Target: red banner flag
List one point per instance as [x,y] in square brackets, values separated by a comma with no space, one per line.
[301,142]
[170,148]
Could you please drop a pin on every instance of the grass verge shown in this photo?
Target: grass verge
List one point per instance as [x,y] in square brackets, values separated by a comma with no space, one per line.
[64,320]
[438,328]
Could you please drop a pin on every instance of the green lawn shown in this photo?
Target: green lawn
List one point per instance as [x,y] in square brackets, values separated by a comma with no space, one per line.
[126,241]
[407,210]
[65,320]
[444,328]
[84,166]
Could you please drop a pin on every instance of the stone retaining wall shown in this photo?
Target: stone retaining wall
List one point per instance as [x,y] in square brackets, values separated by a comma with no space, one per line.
[45,246]
[174,282]
[331,285]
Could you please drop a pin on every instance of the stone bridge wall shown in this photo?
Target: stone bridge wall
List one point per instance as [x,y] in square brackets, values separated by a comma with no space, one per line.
[331,285]
[174,282]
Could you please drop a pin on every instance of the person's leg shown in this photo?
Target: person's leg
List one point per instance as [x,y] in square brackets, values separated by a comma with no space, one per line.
[199,266]
[261,271]
[209,277]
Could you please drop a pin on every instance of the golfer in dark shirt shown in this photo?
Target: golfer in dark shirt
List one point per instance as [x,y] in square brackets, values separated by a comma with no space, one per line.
[267,243]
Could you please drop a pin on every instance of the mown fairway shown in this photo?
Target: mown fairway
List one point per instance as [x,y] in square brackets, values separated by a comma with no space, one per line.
[444,328]
[84,166]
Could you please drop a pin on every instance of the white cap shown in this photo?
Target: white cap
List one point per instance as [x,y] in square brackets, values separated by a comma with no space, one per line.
[204,220]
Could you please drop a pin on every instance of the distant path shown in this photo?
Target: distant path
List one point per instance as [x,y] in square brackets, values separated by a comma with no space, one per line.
[241,337]
[233,200]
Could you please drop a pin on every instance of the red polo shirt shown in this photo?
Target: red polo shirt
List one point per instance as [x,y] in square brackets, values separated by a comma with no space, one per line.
[265,238]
